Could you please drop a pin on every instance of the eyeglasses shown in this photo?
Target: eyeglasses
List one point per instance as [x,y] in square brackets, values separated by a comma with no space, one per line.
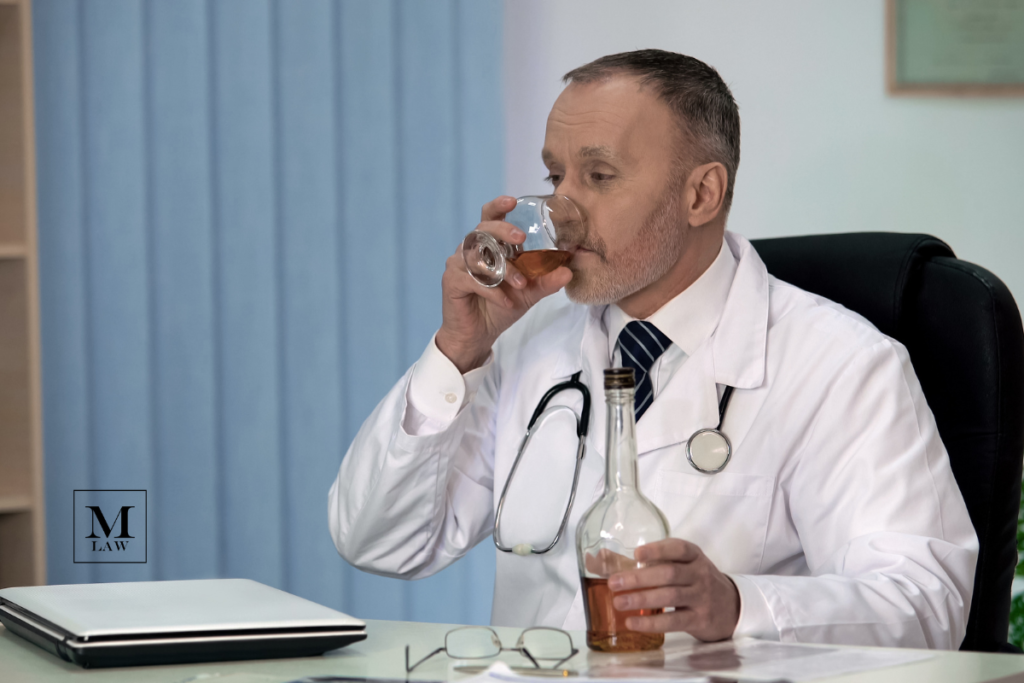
[480,642]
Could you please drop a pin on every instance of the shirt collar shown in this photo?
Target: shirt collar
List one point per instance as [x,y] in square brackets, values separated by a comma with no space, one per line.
[690,317]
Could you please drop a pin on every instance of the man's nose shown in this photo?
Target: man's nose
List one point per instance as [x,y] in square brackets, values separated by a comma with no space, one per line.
[571,188]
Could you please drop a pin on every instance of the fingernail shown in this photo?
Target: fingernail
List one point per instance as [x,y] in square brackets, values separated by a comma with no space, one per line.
[518,279]
[615,583]
[508,303]
[516,232]
[621,603]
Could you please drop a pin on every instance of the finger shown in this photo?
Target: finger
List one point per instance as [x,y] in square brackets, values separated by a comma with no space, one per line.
[553,281]
[457,283]
[658,598]
[496,209]
[514,277]
[506,232]
[667,574]
[669,550]
[606,562]
[546,285]
[667,622]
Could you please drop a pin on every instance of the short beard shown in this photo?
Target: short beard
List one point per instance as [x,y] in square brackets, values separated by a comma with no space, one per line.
[655,250]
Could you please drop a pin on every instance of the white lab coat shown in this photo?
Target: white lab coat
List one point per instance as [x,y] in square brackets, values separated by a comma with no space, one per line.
[838,517]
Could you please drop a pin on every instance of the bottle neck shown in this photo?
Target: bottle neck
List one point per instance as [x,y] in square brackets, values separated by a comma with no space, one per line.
[620,454]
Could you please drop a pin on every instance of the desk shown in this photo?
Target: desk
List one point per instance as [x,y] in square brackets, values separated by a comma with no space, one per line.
[381,655]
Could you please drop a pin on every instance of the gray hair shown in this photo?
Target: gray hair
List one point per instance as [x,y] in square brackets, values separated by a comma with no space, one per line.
[696,94]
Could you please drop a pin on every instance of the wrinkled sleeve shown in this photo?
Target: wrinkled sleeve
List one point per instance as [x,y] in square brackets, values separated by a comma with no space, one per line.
[414,491]
[885,532]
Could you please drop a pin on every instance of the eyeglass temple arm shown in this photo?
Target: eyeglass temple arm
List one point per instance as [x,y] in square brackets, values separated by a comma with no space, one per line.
[524,651]
[566,659]
[408,669]
[557,664]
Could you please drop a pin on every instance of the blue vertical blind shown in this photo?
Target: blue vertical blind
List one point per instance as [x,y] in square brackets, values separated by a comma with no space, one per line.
[245,207]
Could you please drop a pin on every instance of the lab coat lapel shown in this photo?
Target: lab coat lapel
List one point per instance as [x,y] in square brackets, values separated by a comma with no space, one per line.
[687,402]
[589,356]
[740,341]
[586,352]
[733,356]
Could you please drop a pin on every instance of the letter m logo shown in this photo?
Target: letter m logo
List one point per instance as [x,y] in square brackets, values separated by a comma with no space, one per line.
[104,515]
[97,516]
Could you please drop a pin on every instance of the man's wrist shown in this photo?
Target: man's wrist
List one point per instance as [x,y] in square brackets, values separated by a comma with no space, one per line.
[463,359]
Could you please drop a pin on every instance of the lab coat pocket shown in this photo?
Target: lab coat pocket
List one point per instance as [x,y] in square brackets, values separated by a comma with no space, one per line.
[726,514]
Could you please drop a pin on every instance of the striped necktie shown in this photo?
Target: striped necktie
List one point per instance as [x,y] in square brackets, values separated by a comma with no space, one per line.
[641,344]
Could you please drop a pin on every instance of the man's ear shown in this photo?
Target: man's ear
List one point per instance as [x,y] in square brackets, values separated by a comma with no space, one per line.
[705,192]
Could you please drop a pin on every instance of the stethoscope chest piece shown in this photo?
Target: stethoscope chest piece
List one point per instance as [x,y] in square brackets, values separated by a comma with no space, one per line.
[709,451]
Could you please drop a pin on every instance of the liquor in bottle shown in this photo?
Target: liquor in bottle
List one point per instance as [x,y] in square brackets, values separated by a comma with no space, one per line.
[615,526]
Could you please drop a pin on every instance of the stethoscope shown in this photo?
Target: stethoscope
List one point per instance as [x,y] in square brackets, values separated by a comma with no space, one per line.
[707,450]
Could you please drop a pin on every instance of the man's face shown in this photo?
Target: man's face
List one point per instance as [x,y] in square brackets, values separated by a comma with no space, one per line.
[612,147]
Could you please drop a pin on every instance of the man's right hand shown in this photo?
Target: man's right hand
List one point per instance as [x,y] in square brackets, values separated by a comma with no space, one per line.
[473,316]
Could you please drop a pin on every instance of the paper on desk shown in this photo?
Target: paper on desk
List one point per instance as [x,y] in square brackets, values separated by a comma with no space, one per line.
[499,672]
[755,660]
[237,677]
[739,660]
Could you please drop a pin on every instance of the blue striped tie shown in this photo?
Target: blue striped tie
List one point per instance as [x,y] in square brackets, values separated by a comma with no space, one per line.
[641,344]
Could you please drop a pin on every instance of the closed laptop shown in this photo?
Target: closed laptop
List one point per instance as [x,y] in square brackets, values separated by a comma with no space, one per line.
[163,622]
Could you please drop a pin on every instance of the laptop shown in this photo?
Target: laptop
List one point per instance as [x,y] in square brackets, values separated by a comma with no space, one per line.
[172,622]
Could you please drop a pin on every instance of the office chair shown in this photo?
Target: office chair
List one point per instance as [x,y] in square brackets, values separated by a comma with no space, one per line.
[963,331]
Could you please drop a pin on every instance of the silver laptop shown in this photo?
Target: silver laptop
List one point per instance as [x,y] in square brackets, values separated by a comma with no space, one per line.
[164,622]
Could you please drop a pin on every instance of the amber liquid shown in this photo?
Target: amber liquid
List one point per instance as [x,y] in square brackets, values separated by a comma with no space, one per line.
[606,626]
[533,264]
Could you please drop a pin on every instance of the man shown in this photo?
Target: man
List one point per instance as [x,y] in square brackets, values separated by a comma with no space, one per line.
[837,518]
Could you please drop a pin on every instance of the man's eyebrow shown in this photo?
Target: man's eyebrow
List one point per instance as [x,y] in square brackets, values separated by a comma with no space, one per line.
[589,152]
[597,152]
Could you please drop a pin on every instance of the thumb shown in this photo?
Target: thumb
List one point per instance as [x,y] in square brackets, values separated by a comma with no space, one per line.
[546,285]
[553,281]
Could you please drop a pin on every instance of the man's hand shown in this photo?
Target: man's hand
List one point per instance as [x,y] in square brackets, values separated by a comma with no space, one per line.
[706,602]
[473,316]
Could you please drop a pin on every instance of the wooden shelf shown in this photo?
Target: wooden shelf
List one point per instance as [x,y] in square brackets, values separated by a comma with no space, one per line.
[12,251]
[22,530]
[9,504]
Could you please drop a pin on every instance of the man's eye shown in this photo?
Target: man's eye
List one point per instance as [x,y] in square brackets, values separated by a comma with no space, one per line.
[601,177]
[554,179]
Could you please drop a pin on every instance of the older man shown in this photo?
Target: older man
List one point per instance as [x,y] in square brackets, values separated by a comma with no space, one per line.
[837,518]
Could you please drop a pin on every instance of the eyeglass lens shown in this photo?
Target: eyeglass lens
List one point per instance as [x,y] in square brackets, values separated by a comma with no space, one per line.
[473,642]
[546,643]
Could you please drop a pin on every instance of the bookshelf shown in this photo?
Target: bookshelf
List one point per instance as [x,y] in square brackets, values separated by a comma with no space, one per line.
[22,532]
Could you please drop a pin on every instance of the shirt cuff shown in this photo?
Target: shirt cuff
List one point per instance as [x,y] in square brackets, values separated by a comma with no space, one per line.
[755,617]
[437,390]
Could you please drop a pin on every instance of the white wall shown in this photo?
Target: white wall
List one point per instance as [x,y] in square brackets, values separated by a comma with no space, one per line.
[824,148]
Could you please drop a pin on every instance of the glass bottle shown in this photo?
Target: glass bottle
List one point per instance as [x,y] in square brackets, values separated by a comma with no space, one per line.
[618,523]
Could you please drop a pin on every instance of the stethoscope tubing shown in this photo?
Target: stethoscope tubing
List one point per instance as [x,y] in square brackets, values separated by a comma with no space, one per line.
[542,412]
[539,415]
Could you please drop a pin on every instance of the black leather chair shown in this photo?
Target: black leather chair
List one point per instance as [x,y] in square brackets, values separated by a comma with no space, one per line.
[963,331]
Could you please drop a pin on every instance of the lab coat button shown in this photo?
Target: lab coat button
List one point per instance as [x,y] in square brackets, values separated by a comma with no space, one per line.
[450,397]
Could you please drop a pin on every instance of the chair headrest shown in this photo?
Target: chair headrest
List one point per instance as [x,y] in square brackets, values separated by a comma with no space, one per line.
[868,272]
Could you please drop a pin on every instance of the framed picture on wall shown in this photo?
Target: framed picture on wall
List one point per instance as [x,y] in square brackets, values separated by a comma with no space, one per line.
[955,47]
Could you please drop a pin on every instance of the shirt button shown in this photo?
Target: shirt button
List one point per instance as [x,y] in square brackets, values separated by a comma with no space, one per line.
[451,398]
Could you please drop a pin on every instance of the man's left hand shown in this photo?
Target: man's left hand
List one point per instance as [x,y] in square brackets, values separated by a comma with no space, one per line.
[706,602]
